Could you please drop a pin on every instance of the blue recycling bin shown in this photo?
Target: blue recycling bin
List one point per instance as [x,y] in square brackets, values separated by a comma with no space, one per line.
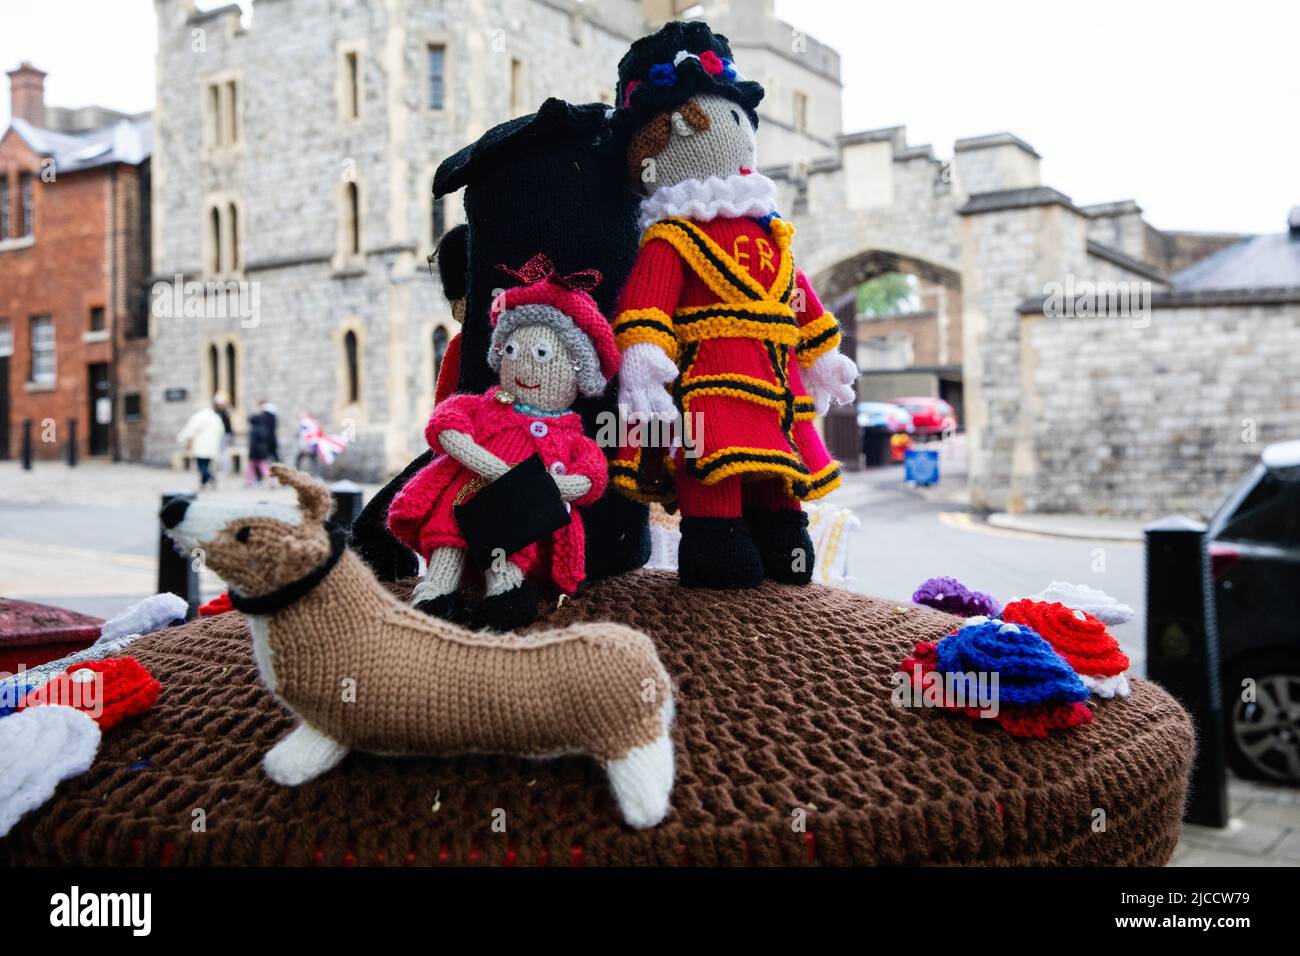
[921,466]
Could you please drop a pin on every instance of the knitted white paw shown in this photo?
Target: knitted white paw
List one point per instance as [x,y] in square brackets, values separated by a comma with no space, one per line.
[642,781]
[39,748]
[303,755]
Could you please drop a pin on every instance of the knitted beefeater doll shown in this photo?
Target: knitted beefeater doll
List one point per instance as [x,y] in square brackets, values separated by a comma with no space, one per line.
[716,311]
[549,344]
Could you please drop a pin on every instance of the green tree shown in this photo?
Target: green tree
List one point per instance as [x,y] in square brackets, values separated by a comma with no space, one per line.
[890,294]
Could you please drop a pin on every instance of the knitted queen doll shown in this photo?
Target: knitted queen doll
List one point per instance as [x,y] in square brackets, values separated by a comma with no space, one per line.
[549,343]
[716,322]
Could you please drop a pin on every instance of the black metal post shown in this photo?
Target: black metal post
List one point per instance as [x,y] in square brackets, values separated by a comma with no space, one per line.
[27,444]
[72,443]
[1183,653]
[178,573]
[347,501]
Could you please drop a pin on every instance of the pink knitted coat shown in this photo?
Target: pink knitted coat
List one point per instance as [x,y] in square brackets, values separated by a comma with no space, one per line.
[421,515]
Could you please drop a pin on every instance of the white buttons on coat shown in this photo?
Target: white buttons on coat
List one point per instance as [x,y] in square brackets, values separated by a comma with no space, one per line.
[538,429]
[557,468]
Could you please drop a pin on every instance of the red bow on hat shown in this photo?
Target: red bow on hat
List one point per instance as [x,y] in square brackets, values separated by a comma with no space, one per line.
[540,268]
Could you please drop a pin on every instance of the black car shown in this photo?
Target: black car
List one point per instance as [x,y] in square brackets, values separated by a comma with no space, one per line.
[1253,543]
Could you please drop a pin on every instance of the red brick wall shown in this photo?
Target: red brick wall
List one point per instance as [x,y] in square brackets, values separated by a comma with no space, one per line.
[64,273]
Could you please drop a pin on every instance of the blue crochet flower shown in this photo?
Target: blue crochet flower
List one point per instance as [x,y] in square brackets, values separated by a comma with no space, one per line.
[728,69]
[1029,670]
[663,74]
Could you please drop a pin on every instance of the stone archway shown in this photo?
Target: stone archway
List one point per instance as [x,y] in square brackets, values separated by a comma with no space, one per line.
[913,353]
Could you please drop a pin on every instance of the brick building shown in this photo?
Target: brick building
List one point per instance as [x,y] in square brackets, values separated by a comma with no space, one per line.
[74,254]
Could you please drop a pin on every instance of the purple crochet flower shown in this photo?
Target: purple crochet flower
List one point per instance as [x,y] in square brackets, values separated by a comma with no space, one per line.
[949,594]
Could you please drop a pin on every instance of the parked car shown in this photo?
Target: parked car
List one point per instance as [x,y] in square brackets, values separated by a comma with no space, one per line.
[1253,544]
[930,416]
[894,417]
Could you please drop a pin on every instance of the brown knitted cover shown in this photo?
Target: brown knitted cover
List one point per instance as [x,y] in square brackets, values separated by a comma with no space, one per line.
[783,704]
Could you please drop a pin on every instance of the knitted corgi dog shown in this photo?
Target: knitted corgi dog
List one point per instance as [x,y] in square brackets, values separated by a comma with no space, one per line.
[362,671]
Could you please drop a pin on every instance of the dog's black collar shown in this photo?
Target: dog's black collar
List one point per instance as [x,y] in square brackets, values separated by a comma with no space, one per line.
[281,598]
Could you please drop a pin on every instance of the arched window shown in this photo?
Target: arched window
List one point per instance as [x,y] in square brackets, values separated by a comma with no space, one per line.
[353,213]
[352,361]
[232,382]
[214,240]
[234,239]
[214,369]
[440,339]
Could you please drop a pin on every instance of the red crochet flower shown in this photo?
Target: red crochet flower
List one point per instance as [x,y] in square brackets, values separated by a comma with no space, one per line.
[123,689]
[1017,721]
[218,605]
[712,65]
[1076,635]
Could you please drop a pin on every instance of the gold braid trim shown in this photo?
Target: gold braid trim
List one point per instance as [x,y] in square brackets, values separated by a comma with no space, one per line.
[818,337]
[634,326]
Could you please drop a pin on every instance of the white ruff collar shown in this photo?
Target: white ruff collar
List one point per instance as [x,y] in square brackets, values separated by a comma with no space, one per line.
[705,199]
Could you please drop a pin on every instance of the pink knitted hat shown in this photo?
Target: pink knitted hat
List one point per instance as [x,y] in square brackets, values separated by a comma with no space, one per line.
[567,294]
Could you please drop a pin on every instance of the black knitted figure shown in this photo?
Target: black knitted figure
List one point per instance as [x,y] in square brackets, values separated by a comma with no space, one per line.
[549,182]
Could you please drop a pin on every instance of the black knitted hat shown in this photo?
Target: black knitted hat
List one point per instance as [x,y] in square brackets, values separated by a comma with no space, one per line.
[663,71]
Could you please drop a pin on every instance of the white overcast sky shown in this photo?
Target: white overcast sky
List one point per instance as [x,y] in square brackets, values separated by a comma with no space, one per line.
[1190,107]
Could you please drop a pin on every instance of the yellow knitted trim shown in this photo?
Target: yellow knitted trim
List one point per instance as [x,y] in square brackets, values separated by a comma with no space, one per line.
[749,460]
[805,409]
[743,387]
[811,487]
[767,307]
[731,327]
[624,475]
[783,284]
[818,337]
[720,272]
[634,326]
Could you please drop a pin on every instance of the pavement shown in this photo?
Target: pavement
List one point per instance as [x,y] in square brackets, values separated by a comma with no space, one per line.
[86,538]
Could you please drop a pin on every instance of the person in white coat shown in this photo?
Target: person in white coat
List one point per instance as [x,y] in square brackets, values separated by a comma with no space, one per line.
[202,437]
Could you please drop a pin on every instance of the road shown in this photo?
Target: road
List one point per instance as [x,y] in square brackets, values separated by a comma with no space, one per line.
[910,534]
[87,539]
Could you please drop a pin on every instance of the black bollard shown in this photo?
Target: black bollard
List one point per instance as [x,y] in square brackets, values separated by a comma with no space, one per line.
[347,502]
[178,573]
[72,443]
[27,444]
[1183,653]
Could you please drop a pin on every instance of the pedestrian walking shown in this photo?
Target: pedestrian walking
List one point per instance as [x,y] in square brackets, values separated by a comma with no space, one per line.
[202,438]
[262,445]
[221,405]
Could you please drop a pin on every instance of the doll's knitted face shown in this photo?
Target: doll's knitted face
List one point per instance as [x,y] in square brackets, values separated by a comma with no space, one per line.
[537,368]
[708,136]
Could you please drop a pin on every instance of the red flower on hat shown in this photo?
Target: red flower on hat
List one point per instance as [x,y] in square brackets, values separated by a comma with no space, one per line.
[712,65]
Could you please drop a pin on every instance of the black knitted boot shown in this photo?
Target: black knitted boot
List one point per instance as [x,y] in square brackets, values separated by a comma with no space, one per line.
[718,553]
[507,611]
[782,539]
[449,607]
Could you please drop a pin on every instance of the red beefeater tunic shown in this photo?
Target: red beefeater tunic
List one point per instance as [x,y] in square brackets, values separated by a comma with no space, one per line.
[724,300]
